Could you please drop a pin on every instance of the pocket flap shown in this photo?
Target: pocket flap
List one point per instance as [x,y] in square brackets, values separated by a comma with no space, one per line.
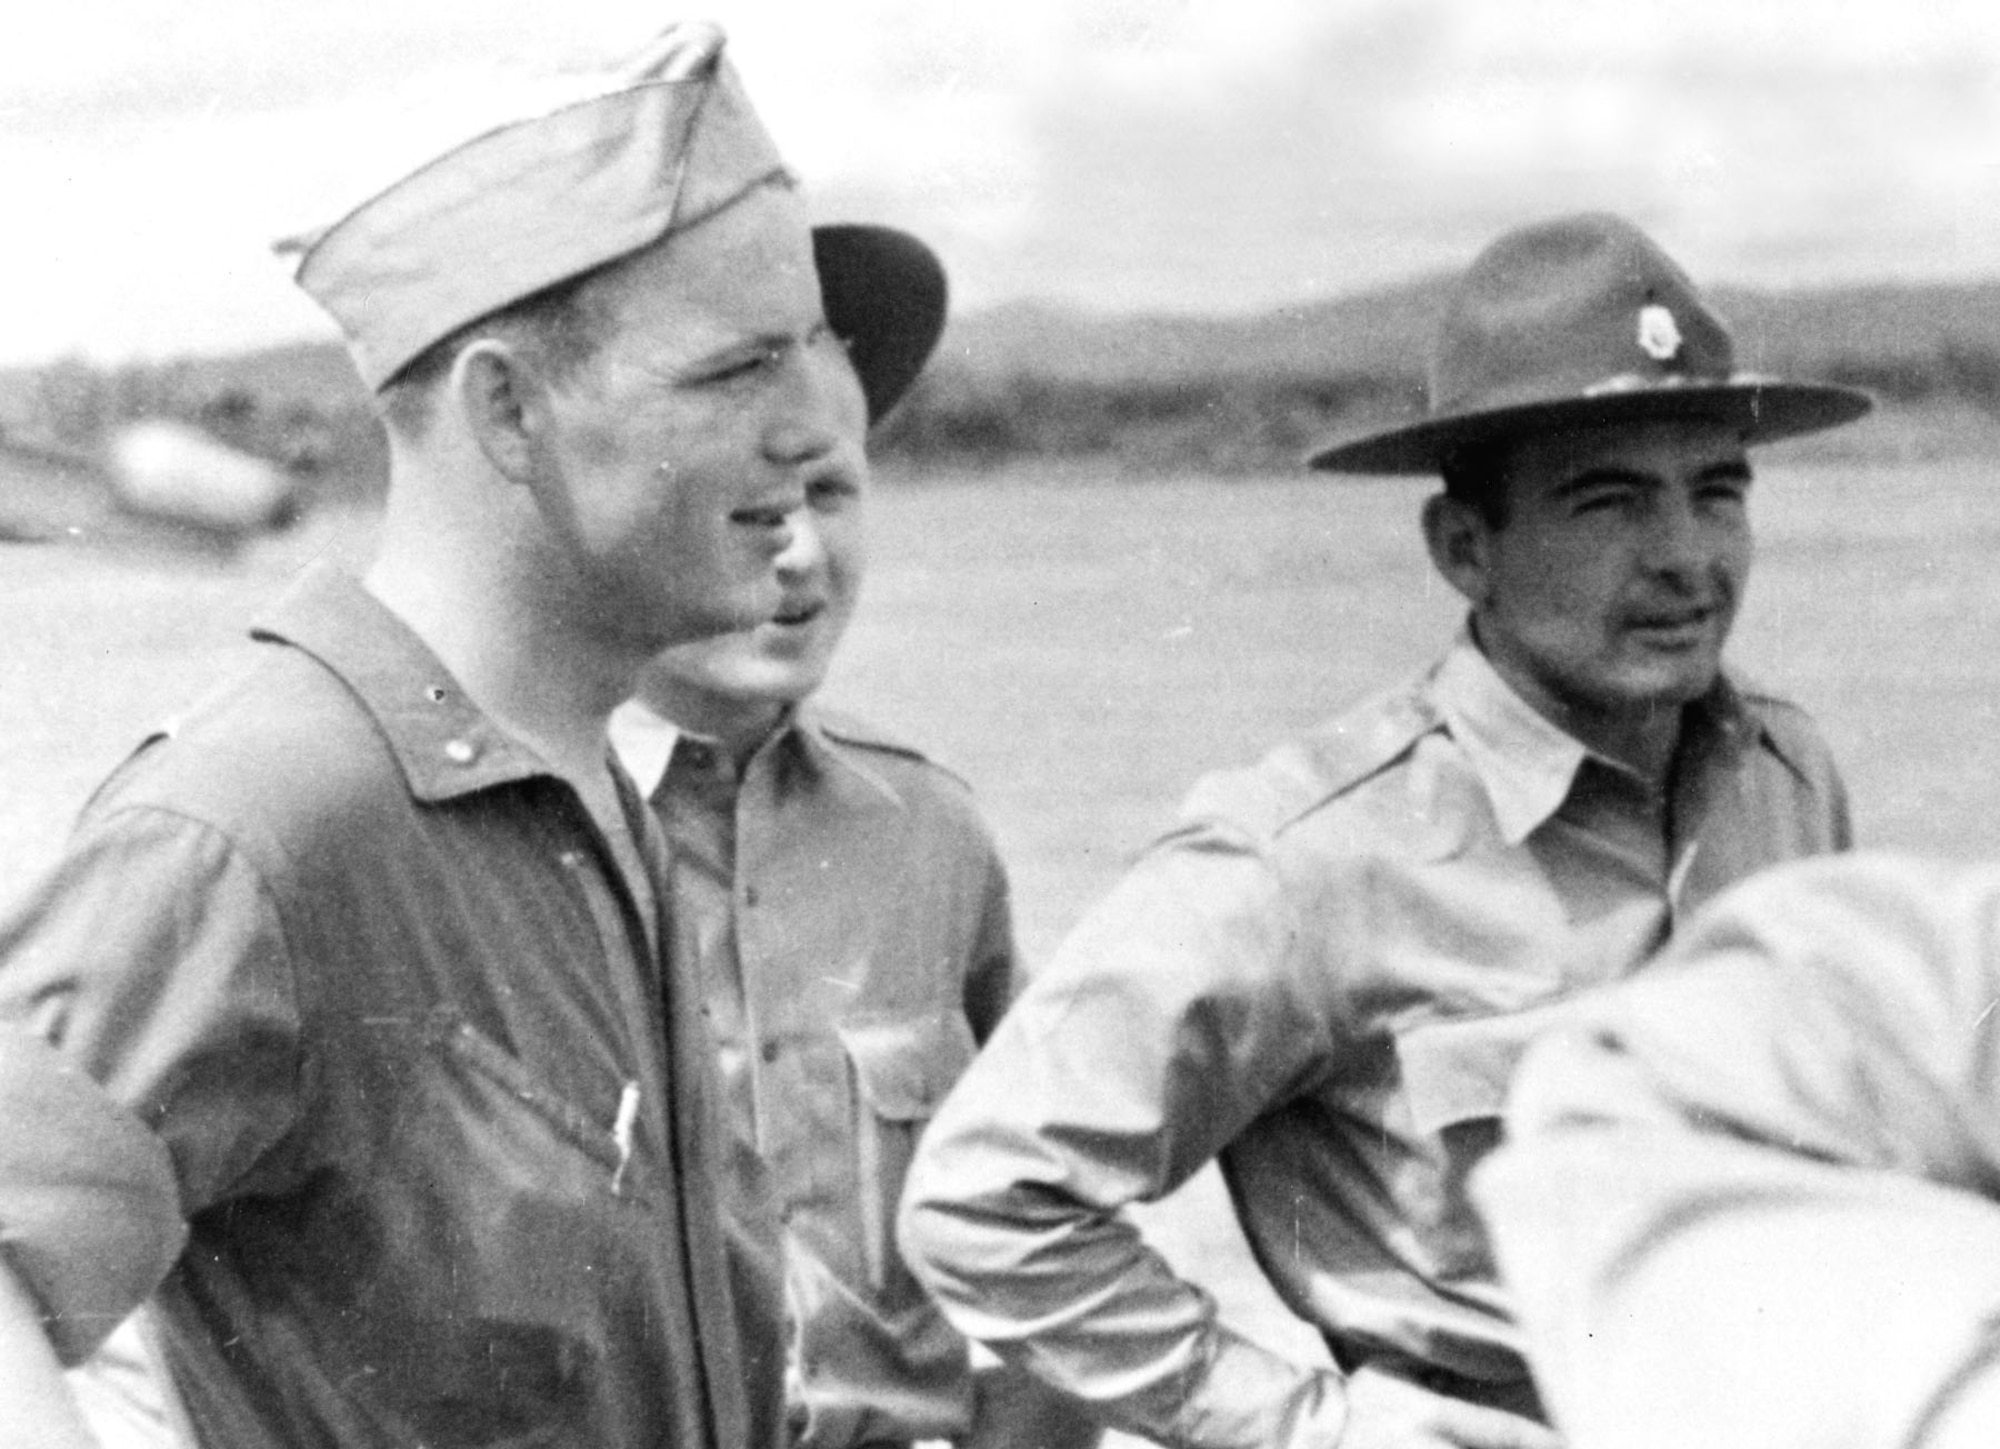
[906,1064]
[1459,1071]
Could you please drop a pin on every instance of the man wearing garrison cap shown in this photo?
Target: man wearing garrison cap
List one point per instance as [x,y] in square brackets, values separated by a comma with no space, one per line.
[1324,975]
[344,1031]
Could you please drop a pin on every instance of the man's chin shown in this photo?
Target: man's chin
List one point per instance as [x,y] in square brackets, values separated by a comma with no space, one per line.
[777,685]
[1670,684]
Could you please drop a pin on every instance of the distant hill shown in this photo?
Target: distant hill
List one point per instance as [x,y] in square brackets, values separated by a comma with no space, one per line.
[1386,331]
[1033,379]
[1382,331]
[1889,322]
[1379,331]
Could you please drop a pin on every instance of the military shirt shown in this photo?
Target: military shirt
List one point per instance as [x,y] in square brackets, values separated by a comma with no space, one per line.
[850,916]
[362,977]
[1324,975]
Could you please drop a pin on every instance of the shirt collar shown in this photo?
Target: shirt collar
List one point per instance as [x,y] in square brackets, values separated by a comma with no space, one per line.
[643,739]
[444,744]
[644,742]
[1528,765]
[1525,763]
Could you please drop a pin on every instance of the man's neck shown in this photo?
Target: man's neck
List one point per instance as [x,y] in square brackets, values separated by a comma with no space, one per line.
[738,724]
[1643,740]
[551,690]
[1641,736]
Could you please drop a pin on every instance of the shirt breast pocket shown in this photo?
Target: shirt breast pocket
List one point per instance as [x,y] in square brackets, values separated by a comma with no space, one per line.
[500,1086]
[1455,1076]
[463,1247]
[900,1069]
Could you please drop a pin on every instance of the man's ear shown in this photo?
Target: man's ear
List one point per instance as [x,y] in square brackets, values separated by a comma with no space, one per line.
[1460,543]
[500,393]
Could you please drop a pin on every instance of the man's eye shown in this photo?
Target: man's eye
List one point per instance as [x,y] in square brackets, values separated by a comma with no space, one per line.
[1603,500]
[760,517]
[746,366]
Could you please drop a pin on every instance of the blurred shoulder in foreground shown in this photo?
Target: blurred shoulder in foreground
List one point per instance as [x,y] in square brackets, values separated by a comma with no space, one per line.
[1754,1199]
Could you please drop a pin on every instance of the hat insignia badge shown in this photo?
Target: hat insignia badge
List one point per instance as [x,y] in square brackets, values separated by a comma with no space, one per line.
[1659,334]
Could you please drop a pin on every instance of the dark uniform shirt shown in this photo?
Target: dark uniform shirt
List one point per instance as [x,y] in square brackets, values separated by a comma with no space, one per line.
[849,912]
[437,1125]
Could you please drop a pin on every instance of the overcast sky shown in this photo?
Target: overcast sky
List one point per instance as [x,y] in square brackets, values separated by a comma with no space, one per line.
[1212,155]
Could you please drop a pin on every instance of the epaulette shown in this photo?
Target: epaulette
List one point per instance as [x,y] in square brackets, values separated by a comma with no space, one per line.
[851,731]
[847,730]
[1321,765]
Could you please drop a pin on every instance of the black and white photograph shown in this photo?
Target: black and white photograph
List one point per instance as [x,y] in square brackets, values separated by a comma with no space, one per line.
[1086,724]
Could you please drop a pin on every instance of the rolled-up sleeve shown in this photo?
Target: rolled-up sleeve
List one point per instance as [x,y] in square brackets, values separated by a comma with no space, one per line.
[1753,1200]
[1170,1019]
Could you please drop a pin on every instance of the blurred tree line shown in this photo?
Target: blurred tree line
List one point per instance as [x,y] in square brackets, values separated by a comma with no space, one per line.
[956,418]
[76,405]
[302,407]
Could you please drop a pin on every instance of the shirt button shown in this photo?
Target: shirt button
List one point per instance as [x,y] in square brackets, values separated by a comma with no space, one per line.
[749,895]
[461,752]
[769,1052]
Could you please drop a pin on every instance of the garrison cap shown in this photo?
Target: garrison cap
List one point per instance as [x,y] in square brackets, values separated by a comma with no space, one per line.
[614,163]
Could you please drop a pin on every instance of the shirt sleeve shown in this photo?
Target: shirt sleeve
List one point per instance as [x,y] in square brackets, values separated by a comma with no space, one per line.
[154,1026]
[993,976]
[89,1216]
[1168,1022]
[1751,1203]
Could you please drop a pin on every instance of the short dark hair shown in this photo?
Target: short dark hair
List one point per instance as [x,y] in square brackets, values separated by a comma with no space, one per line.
[1476,475]
[564,325]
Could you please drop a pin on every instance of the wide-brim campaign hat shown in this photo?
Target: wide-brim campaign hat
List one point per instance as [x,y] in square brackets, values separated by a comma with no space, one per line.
[593,170]
[1583,321]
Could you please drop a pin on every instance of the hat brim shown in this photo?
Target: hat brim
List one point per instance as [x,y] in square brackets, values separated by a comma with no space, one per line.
[885,295]
[1762,410]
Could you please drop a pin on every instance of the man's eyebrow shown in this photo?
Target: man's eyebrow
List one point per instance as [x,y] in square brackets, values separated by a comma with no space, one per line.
[1728,470]
[1601,475]
[737,349]
[1610,475]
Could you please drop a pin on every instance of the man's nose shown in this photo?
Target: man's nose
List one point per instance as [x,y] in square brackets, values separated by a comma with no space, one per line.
[801,549]
[1676,537]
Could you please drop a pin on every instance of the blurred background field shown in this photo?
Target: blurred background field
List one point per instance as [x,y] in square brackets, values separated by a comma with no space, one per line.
[1043,385]
[1187,240]
[1080,647]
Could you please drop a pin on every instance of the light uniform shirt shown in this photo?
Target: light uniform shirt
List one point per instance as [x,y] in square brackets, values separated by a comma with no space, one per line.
[1325,975]
[849,915]
[1752,1201]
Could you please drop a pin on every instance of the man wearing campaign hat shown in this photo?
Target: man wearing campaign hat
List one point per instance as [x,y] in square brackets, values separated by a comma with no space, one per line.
[1324,974]
[346,1028]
